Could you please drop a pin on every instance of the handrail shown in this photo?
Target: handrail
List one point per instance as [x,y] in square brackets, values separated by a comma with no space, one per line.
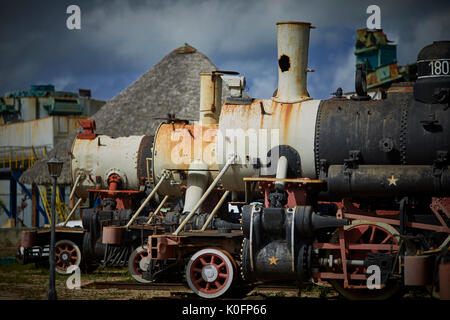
[157,209]
[72,211]
[164,176]
[216,208]
[205,195]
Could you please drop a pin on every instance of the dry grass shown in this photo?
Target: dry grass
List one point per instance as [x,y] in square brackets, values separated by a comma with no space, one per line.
[26,282]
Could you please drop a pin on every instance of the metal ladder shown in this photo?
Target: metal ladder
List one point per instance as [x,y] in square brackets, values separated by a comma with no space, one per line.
[46,197]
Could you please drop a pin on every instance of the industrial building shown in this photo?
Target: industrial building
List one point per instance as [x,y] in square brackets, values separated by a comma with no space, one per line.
[32,122]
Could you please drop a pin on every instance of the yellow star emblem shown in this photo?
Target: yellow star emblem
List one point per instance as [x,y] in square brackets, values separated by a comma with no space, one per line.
[392,180]
[273,260]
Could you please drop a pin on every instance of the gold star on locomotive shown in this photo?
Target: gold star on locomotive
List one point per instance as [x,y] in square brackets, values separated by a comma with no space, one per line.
[392,180]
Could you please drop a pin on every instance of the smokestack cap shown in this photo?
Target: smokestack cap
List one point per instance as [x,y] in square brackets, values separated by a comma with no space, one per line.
[293,22]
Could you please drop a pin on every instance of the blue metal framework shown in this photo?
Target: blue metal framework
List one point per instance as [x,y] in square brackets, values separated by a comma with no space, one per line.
[13,177]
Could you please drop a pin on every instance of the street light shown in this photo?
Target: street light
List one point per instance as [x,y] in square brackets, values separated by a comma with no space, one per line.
[54,169]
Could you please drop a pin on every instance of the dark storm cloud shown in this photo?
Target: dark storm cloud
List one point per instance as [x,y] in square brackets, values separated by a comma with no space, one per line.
[121,40]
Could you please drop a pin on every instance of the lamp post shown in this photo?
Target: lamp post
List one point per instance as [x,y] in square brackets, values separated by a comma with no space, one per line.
[54,169]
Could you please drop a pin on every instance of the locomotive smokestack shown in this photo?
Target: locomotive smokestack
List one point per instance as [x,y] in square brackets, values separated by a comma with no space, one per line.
[210,98]
[293,43]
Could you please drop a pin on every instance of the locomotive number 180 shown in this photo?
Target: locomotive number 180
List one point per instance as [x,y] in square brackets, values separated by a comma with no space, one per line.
[439,67]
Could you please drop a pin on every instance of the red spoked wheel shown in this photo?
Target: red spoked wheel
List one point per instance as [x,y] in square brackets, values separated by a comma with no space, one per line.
[365,232]
[210,273]
[67,254]
[139,262]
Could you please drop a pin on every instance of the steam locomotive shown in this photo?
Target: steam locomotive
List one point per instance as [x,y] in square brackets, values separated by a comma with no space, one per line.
[331,188]
[337,191]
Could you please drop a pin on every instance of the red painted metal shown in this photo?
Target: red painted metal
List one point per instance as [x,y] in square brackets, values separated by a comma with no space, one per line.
[137,260]
[122,197]
[361,246]
[89,129]
[397,222]
[163,247]
[223,273]
[128,192]
[111,235]
[351,246]
[343,250]
[297,193]
[332,275]
[444,281]
[438,204]
[65,248]
[28,238]
[418,270]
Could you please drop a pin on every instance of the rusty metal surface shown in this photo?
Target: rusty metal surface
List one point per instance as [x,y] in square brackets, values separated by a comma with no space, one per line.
[383,75]
[62,230]
[418,270]
[163,247]
[40,132]
[112,235]
[397,130]
[97,159]
[293,44]
[260,127]
[210,98]
[444,281]
[176,146]
[28,238]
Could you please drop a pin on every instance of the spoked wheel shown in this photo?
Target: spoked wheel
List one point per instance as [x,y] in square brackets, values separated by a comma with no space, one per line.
[365,232]
[139,262]
[210,273]
[67,254]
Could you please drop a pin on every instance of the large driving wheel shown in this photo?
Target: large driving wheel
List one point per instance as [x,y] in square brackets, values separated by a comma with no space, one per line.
[67,254]
[210,273]
[139,262]
[365,232]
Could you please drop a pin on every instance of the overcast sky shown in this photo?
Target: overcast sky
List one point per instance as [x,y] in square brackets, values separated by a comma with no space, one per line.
[119,40]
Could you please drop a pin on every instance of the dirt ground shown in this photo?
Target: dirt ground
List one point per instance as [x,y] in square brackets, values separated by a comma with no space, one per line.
[28,282]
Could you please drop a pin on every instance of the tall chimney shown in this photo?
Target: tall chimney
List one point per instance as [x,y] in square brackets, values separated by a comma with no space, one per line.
[293,43]
[210,98]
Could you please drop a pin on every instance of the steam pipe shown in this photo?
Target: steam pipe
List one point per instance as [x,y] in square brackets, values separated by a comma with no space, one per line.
[282,167]
[210,98]
[197,180]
